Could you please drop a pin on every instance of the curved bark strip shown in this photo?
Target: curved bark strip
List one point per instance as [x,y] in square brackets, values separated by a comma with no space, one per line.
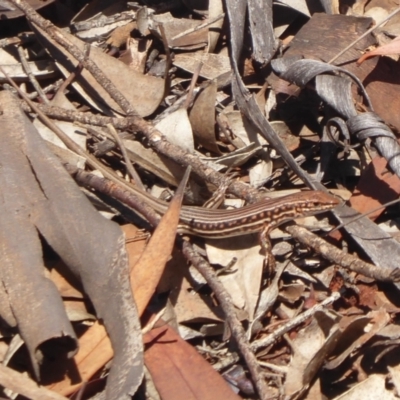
[41,195]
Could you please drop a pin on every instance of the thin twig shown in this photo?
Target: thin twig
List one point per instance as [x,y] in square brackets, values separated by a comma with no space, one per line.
[195,76]
[91,66]
[128,164]
[32,95]
[364,214]
[76,72]
[337,256]
[225,300]
[363,35]
[32,78]
[71,145]
[198,27]
[19,383]
[275,336]
[168,61]
[153,322]
[157,141]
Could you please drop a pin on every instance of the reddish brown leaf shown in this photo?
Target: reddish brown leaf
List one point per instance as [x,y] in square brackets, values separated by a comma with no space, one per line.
[179,372]
[377,186]
[391,48]
[148,270]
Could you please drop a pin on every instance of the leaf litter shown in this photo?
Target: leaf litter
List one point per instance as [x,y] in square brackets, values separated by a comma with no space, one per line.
[88,278]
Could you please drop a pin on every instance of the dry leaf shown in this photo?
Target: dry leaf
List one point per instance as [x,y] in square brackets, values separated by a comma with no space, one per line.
[179,372]
[143,92]
[392,48]
[177,129]
[243,280]
[202,118]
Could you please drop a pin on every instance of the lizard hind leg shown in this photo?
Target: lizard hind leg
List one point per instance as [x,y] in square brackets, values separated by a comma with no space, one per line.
[266,249]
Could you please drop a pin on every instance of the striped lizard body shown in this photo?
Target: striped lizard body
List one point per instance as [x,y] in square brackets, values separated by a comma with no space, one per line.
[264,215]
[261,216]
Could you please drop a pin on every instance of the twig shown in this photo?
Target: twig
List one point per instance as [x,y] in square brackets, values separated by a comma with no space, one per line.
[71,145]
[21,384]
[277,368]
[195,76]
[227,361]
[10,41]
[58,36]
[32,95]
[274,337]
[155,137]
[114,190]
[364,214]
[153,322]
[198,27]
[32,78]
[225,300]
[159,143]
[168,61]
[76,72]
[128,164]
[157,140]
[87,118]
[363,35]
[337,256]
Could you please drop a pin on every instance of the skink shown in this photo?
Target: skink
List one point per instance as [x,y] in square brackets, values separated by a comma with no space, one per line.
[262,216]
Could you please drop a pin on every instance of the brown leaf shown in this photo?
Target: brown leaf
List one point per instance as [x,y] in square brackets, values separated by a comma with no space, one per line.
[214,65]
[377,186]
[143,92]
[359,330]
[391,48]
[202,118]
[148,270]
[174,27]
[179,372]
